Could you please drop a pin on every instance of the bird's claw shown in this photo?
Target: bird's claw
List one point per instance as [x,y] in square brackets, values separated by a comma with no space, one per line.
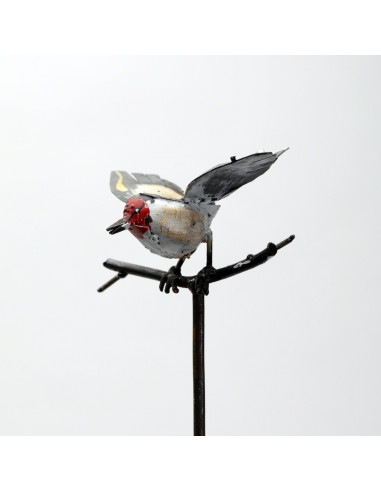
[170,280]
[202,280]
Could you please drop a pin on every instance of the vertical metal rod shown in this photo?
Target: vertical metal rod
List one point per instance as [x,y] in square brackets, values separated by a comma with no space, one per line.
[209,250]
[198,364]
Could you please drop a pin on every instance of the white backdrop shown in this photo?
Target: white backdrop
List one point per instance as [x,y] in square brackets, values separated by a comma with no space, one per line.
[292,347]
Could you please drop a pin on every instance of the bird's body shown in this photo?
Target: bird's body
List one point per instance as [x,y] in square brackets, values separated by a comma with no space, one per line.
[177,228]
[172,223]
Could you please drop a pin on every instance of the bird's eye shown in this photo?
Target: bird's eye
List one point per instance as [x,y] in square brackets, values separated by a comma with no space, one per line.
[136,210]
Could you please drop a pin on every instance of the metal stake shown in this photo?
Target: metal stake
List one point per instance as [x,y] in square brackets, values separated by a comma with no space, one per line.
[251,261]
[198,364]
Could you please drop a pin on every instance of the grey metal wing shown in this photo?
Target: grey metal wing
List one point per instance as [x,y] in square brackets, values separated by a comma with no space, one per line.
[223,179]
[125,185]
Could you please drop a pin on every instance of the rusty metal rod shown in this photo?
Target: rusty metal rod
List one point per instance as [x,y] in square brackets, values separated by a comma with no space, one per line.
[198,364]
[138,270]
[251,261]
[112,281]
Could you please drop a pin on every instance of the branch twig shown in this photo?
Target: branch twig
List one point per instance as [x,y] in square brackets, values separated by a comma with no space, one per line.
[251,261]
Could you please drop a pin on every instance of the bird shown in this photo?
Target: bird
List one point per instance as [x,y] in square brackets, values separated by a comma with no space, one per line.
[172,223]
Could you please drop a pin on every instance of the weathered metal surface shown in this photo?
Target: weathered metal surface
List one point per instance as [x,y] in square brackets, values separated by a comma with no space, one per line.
[170,224]
[169,228]
[125,186]
[178,228]
[223,179]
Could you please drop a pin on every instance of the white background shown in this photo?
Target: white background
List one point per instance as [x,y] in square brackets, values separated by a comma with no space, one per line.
[291,347]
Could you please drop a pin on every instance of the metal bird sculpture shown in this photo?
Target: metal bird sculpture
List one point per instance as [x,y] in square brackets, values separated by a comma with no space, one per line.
[171,223]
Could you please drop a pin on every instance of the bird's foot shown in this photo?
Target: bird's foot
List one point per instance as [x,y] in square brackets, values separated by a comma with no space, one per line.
[202,279]
[170,280]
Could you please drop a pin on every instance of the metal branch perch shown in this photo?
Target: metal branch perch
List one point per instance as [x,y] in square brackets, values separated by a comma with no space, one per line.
[198,285]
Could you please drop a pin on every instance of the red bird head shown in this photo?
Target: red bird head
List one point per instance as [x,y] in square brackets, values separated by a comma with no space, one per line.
[136,218]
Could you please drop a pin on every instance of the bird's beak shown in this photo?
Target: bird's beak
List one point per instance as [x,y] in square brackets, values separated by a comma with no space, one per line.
[118,226]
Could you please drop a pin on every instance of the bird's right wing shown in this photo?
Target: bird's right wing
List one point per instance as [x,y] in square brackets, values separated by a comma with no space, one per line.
[124,186]
[222,180]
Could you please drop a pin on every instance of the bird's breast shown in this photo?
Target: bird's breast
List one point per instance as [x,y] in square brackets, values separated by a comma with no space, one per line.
[176,228]
[178,222]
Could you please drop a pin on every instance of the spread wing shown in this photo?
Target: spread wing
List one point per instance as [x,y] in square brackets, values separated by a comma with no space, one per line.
[125,185]
[222,180]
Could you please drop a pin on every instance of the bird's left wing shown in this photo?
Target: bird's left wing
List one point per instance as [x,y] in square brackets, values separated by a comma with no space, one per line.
[222,180]
[125,185]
